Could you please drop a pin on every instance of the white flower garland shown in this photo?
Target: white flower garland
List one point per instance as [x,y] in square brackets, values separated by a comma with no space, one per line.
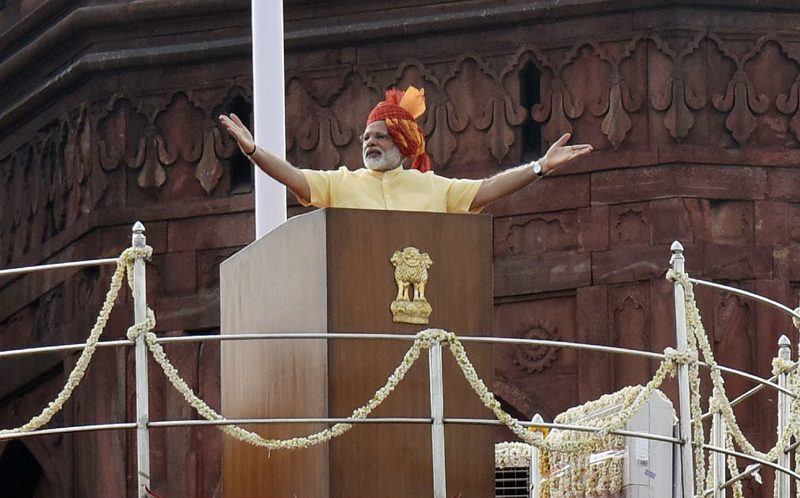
[423,341]
[595,467]
[513,454]
[573,474]
[698,342]
[124,263]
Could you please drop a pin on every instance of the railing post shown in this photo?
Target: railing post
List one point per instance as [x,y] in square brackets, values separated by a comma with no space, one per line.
[718,440]
[534,474]
[685,422]
[142,403]
[782,482]
[437,416]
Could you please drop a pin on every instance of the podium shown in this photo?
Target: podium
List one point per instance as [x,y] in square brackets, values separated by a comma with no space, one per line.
[330,271]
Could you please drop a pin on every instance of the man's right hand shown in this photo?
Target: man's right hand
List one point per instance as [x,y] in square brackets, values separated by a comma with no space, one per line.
[239,132]
[274,166]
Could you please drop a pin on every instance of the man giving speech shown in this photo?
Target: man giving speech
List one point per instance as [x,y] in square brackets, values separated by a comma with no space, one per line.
[391,139]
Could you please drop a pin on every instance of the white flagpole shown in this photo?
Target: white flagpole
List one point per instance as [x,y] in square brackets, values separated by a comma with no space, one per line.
[269,109]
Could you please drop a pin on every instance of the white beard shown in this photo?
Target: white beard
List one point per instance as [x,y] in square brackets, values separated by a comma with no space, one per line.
[384,161]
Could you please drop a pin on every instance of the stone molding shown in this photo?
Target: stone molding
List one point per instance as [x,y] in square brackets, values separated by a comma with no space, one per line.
[630,95]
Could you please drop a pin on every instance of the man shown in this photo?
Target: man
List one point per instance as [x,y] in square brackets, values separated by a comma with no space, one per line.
[393,137]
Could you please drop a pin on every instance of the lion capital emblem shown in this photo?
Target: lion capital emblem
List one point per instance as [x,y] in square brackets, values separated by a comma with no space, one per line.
[411,276]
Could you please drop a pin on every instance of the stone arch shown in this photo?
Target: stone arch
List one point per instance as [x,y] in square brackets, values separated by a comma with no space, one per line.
[21,473]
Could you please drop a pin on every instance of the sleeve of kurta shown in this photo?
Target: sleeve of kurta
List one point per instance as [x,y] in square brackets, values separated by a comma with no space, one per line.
[319,187]
[460,195]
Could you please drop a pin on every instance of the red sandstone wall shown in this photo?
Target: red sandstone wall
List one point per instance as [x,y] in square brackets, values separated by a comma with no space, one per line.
[692,112]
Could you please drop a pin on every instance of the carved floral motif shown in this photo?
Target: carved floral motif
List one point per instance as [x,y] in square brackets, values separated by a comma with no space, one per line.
[493,112]
[561,105]
[324,132]
[741,99]
[557,110]
[443,122]
[531,358]
[209,167]
[62,173]
[435,123]
[678,98]
[788,104]
[629,317]
[475,111]
[620,100]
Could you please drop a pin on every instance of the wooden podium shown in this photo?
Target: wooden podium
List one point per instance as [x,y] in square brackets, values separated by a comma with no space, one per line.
[330,271]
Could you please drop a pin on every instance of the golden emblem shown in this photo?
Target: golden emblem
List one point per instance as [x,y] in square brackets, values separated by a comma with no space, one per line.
[411,273]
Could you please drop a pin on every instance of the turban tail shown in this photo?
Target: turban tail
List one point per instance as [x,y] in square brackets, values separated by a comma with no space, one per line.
[399,111]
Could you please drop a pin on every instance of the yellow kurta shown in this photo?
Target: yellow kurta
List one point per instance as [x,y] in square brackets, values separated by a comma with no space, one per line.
[398,189]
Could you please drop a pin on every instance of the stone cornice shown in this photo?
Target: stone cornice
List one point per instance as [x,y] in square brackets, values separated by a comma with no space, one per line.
[328,25]
[317,25]
[121,60]
[308,25]
[57,19]
[80,21]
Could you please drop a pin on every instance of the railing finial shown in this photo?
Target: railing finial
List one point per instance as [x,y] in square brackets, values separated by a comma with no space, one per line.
[677,259]
[138,237]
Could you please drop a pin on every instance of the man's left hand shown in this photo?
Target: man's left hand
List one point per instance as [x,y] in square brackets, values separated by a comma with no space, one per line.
[559,153]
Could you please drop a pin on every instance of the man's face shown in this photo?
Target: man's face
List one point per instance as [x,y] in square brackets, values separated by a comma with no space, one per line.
[378,149]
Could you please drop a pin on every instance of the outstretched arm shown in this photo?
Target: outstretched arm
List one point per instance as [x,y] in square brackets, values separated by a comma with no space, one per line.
[269,163]
[511,180]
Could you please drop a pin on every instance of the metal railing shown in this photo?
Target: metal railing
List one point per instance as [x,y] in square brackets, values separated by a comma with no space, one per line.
[143,424]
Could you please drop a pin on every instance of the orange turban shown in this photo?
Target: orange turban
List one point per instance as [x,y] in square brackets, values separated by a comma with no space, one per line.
[399,111]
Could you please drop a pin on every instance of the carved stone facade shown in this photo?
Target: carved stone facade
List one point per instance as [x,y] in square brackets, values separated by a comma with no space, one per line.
[693,112]
[108,117]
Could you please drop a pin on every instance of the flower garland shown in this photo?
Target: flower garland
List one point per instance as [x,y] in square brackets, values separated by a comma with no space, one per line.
[510,455]
[571,453]
[579,480]
[608,476]
[125,262]
[730,461]
[573,473]
[733,468]
[424,340]
[616,422]
[595,470]
[515,454]
[698,341]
